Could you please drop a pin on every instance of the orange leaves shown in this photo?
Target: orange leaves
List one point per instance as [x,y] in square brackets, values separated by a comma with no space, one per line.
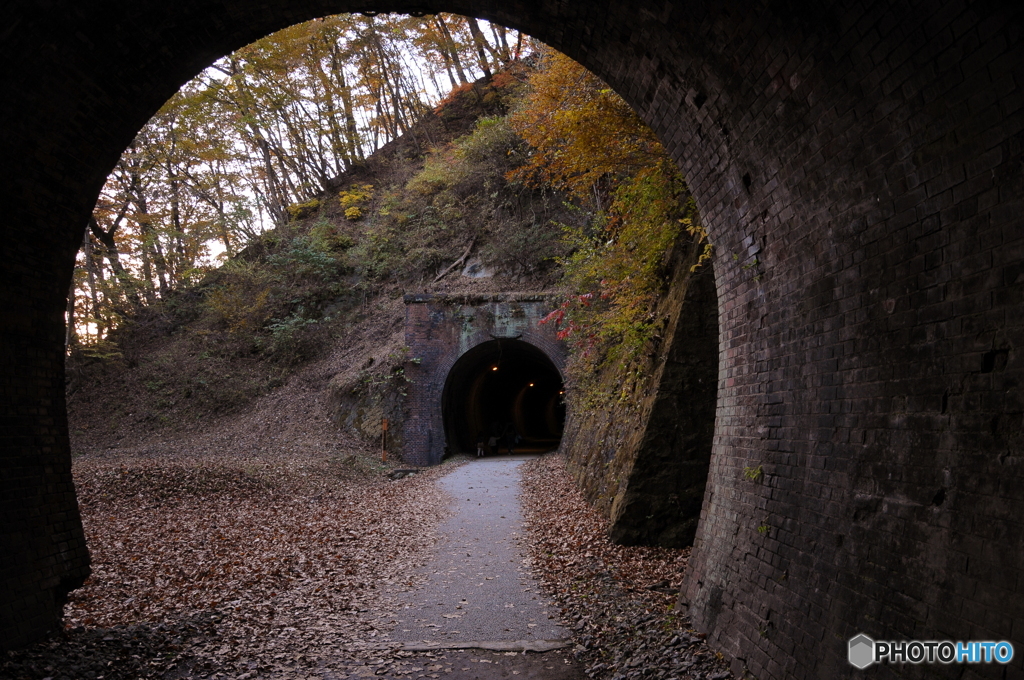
[452,96]
[587,141]
[581,131]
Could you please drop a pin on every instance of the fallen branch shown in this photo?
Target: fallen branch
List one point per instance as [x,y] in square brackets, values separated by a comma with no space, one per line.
[457,262]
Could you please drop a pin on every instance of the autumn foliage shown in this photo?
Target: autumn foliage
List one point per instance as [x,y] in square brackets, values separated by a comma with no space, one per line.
[585,138]
[633,206]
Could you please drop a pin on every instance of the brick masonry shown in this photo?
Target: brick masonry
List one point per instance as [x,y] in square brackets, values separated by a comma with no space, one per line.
[439,330]
[859,167]
[644,461]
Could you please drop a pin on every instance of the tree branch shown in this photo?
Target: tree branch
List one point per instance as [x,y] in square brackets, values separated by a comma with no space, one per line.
[457,262]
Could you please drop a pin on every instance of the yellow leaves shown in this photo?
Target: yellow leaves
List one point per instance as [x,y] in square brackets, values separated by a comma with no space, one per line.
[587,141]
[351,197]
[623,274]
[298,211]
[700,236]
[357,193]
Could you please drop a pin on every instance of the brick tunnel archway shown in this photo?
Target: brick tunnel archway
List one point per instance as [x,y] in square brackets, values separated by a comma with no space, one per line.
[505,390]
[449,337]
[859,170]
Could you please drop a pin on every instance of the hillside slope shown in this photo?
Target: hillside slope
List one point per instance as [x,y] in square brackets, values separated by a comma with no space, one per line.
[289,344]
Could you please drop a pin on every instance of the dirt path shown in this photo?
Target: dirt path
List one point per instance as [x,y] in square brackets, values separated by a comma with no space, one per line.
[472,664]
[479,613]
[477,588]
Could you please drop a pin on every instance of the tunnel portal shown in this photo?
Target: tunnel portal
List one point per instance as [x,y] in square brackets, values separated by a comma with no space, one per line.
[858,169]
[500,385]
[455,393]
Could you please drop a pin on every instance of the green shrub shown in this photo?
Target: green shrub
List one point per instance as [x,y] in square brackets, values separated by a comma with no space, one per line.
[483,153]
[290,338]
[327,237]
[240,301]
[616,273]
[491,142]
[307,257]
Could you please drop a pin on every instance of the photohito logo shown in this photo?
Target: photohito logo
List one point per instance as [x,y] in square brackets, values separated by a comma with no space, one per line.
[863,651]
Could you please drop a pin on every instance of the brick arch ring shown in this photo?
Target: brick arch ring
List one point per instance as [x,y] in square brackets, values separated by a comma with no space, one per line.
[858,168]
[424,440]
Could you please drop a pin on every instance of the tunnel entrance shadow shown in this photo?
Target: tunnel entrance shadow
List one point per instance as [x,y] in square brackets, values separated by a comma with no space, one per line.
[503,390]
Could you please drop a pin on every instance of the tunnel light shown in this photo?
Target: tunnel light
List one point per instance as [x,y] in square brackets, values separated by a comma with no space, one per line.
[531,384]
[494,368]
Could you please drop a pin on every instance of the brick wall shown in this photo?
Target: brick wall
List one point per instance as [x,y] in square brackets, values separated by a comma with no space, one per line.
[440,329]
[42,545]
[859,168]
[643,462]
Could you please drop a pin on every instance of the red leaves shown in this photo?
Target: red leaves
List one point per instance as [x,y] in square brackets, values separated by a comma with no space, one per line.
[574,328]
[556,316]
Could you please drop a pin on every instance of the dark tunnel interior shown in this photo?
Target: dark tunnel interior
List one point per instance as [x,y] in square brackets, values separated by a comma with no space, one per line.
[503,389]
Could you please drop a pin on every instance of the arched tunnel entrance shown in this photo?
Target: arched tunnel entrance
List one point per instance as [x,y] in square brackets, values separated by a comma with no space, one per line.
[503,389]
[855,166]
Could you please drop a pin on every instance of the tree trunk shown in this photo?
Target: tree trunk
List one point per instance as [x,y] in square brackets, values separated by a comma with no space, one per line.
[501,40]
[180,262]
[478,39]
[90,270]
[339,155]
[453,50]
[150,244]
[109,244]
[147,274]
[69,330]
[276,201]
[399,124]
[222,222]
[355,149]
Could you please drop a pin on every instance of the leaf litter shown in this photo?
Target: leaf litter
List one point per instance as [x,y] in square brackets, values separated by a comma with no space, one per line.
[237,566]
[287,565]
[618,601]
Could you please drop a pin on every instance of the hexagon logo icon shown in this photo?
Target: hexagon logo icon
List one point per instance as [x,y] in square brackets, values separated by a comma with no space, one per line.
[862,651]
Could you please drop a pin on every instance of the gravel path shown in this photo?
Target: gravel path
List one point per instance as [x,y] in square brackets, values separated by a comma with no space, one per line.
[478,587]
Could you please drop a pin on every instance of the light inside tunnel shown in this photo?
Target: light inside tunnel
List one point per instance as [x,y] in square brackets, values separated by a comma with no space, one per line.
[503,388]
